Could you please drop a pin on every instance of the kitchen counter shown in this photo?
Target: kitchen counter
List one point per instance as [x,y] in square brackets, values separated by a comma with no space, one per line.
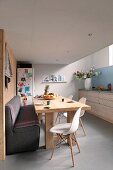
[102,91]
[101,103]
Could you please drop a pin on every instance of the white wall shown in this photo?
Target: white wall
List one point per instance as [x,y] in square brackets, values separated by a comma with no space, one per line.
[101,58]
[98,59]
[64,89]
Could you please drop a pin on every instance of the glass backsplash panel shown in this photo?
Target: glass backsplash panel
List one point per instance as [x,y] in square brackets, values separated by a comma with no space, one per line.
[105,78]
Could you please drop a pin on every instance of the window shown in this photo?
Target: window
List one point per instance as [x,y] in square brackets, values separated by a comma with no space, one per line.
[111,55]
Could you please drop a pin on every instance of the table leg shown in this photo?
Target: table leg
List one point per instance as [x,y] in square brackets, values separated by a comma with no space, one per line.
[48,124]
[39,116]
[70,115]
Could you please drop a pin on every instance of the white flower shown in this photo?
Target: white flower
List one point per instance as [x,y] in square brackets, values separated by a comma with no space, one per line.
[85,76]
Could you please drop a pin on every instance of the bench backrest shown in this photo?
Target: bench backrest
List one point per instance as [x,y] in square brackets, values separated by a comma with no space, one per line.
[11,110]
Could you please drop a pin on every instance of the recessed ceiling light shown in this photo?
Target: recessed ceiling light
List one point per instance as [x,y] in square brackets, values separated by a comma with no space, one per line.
[90,34]
[67,51]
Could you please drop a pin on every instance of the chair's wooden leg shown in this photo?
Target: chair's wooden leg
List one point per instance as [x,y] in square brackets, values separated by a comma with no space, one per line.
[54,145]
[59,117]
[73,139]
[76,143]
[70,141]
[40,116]
[59,140]
[82,126]
[52,149]
[64,138]
[56,118]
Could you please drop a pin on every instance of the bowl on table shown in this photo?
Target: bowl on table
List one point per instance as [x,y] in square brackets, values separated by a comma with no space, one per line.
[49,96]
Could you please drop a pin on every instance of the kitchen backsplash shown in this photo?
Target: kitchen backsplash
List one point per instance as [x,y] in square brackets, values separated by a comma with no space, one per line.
[105,78]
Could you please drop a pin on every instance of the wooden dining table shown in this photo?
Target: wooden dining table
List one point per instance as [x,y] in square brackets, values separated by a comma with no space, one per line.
[57,105]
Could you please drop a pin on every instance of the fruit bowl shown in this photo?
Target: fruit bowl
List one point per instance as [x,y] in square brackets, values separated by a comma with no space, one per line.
[49,96]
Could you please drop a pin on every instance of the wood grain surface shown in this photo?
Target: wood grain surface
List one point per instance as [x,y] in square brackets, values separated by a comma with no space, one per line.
[56,105]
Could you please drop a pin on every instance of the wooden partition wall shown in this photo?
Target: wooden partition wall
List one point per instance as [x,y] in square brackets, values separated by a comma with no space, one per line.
[10,92]
[5,93]
[2,101]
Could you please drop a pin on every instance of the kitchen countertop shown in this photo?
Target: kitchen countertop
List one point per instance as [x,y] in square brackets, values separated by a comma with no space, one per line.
[102,91]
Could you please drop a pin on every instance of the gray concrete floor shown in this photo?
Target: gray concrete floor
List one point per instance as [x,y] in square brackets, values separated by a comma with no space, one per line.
[96,151]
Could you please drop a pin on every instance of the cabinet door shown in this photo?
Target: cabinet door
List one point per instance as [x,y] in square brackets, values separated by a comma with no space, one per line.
[82,94]
[105,112]
[94,107]
[101,104]
[90,96]
[106,99]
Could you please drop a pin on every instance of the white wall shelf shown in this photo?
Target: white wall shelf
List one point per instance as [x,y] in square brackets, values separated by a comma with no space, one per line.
[54,82]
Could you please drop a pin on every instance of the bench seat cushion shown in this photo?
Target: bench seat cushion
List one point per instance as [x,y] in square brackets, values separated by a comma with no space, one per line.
[26,117]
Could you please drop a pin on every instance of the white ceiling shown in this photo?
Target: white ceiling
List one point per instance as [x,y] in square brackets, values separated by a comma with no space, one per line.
[56,31]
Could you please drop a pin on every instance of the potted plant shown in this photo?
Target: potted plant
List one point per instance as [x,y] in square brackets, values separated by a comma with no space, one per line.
[86,76]
[46,89]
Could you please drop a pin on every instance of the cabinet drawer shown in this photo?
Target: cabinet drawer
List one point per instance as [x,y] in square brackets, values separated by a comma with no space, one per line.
[94,108]
[106,113]
[82,94]
[92,99]
[90,96]
[108,103]
[107,96]
[88,93]
[93,93]
[101,104]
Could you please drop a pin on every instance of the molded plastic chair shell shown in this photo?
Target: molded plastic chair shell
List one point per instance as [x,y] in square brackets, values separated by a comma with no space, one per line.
[70,97]
[67,128]
[83,101]
[67,131]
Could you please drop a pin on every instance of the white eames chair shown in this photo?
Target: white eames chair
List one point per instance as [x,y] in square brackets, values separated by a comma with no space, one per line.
[66,131]
[60,115]
[83,101]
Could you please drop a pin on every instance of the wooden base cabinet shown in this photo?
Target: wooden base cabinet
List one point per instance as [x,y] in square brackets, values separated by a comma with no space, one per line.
[101,103]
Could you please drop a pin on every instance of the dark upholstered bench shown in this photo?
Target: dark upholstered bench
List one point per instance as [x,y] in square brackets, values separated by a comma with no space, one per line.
[22,127]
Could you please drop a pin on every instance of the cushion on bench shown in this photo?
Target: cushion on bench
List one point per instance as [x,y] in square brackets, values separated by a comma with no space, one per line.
[26,117]
[14,106]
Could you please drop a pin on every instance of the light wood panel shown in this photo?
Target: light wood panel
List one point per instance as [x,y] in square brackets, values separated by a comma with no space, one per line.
[58,106]
[2,103]
[5,94]
[48,124]
[10,92]
[101,103]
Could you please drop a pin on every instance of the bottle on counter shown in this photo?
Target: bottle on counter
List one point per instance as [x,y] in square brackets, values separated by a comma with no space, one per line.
[109,86]
[25,100]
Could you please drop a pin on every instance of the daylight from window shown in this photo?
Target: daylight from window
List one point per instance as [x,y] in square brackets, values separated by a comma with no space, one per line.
[111,55]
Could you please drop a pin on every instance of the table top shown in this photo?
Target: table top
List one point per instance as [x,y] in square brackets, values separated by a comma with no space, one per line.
[57,105]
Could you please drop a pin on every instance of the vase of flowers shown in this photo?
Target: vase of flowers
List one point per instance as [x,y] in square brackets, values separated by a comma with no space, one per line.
[87,83]
[87,76]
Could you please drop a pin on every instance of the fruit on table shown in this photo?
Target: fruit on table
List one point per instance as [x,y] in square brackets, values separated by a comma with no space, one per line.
[49,96]
[101,87]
